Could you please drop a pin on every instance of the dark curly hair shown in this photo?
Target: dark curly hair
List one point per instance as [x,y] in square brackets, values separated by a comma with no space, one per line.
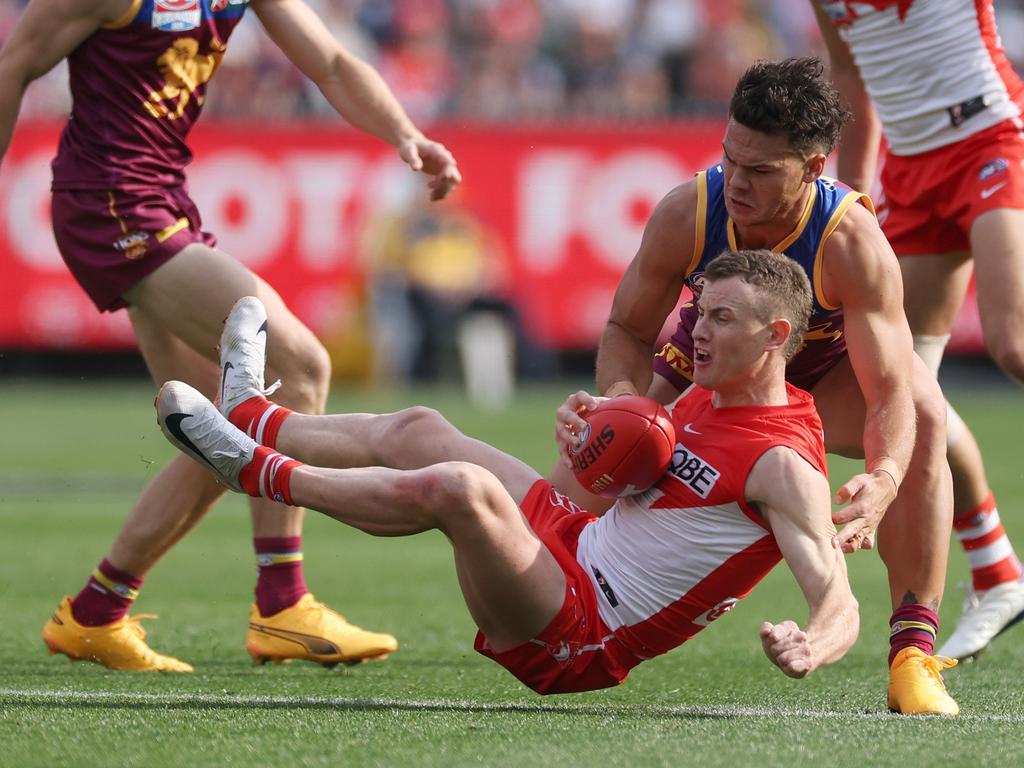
[790,98]
[782,283]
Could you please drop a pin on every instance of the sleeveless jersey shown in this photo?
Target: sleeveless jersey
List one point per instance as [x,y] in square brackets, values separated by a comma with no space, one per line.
[667,562]
[934,69]
[137,86]
[824,343]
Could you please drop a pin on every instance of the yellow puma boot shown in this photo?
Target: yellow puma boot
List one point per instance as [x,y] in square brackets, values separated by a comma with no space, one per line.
[915,684]
[310,630]
[119,645]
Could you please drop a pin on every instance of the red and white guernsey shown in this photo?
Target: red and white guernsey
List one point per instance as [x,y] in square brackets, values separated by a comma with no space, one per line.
[668,561]
[934,69]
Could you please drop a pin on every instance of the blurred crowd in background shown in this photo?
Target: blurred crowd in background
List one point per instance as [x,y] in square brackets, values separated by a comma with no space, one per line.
[434,299]
[499,60]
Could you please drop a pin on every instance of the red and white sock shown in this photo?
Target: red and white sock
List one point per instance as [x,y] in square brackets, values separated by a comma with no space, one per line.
[269,475]
[988,549]
[260,419]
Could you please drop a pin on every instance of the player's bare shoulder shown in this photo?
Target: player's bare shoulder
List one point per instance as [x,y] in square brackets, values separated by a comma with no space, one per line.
[671,228]
[784,481]
[101,12]
[856,256]
[38,42]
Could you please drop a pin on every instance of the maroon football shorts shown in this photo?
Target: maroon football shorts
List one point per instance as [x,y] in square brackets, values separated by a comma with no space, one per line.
[930,200]
[111,240]
[576,651]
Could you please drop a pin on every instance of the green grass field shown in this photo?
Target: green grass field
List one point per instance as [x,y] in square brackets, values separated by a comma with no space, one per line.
[73,457]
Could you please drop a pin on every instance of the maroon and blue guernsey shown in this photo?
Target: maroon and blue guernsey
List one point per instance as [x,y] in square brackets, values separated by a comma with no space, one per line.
[825,341]
[138,85]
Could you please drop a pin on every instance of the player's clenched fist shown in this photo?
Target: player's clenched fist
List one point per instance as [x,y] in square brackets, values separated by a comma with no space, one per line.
[788,647]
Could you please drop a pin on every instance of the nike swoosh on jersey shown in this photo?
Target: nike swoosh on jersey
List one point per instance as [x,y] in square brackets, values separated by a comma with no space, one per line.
[691,430]
[988,192]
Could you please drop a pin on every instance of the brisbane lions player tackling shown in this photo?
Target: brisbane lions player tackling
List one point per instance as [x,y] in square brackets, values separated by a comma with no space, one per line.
[564,600]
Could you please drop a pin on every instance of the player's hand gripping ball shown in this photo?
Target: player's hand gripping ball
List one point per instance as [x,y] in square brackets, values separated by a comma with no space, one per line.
[625,448]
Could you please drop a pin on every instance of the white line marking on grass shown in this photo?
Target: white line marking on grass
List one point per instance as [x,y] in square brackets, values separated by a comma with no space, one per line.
[114,698]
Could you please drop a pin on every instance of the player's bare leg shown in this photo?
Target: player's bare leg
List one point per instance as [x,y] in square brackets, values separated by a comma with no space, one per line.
[913,537]
[412,438]
[512,584]
[285,621]
[934,290]
[182,305]
[96,626]
[178,498]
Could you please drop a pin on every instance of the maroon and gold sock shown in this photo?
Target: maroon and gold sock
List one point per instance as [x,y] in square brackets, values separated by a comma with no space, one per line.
[912,625]
[106,596]
[260,419]
[280,583]
[269,475]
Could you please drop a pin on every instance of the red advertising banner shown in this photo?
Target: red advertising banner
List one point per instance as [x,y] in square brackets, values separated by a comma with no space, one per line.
[559,212]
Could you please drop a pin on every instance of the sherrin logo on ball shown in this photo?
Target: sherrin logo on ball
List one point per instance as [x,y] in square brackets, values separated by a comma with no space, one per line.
[625,447]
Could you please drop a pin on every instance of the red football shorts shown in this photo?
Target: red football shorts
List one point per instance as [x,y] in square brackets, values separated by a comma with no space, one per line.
[930,200]
[111,240]
[576,651]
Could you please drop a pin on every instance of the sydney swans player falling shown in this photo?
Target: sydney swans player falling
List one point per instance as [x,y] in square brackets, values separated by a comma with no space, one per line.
[567,601]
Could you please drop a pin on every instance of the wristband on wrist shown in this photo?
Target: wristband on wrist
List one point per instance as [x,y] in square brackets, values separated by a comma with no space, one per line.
[890,467]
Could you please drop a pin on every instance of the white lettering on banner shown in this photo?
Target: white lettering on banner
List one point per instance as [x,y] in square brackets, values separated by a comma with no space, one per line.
[564,193]
[325,183]
[548,184]
[27,212]
[616,191]
[262,193]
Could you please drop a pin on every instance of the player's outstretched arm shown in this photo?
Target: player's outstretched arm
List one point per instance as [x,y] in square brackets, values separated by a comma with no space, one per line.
[862,274]
[794,498]
[858,145]
[47,32]
[355,89]
[646,294]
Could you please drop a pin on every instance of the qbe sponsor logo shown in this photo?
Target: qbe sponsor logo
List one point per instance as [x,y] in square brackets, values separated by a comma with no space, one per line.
[694,471]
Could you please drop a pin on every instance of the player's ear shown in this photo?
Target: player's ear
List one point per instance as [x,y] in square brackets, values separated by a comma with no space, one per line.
[780,330]
[814,166]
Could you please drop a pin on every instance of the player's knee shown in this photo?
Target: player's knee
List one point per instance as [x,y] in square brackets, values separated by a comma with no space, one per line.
[402,428]
[930,409]
[1008,354]
[458,492]
[308,378]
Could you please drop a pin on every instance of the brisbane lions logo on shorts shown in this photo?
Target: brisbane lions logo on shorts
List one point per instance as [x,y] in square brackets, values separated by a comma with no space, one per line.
[176,15]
